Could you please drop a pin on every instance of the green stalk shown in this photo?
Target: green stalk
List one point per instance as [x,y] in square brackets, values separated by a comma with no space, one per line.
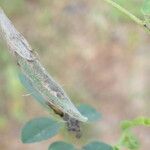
[127,13]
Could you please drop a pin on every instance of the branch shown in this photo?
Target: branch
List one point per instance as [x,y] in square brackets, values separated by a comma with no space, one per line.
[31,67]
[130,15]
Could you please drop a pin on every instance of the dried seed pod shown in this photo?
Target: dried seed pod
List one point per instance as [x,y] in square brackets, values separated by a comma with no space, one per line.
[35,73]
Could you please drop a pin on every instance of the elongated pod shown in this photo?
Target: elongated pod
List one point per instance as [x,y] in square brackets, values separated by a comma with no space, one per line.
[31,67]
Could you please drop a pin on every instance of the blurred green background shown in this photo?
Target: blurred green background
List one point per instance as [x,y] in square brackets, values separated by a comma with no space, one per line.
[97,54]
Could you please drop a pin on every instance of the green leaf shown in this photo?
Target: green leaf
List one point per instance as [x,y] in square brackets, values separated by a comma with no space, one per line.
[144,121]
[140,121]
[130,141]
[39,129]
[60,145]
[116,148]
[146,7]
[125,125]
[89,112]
[96,145]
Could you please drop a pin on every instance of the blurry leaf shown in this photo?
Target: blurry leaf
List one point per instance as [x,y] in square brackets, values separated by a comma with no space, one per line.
[17,109]
[116,148]
[14,6]
[27,84]
[126,124]
[145,121]
[97,146]
[14,86]
[39,129]
[130,141]
[146,7]
[14,89]
[89,112]
[59,145]
[135,122]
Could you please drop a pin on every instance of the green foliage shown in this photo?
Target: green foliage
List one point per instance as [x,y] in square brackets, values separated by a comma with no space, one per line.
[39,129]
[14,89]
[146,7]
[96,145]
[13,6]
[13,82]
[89,112]
[140,121]
[60,145]
[128,139]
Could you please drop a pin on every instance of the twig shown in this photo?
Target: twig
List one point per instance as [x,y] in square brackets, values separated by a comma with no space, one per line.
[127,13]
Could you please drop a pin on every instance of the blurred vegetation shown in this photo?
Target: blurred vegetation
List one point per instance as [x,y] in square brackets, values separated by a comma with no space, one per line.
[99,56]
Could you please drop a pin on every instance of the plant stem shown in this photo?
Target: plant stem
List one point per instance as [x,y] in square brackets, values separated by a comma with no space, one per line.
[126,12]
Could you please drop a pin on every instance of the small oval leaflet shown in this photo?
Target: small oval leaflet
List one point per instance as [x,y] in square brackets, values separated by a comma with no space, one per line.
[39,129]
[60,145]
[97,145]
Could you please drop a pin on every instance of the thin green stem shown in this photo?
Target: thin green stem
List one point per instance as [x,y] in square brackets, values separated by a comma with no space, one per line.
[126,12]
